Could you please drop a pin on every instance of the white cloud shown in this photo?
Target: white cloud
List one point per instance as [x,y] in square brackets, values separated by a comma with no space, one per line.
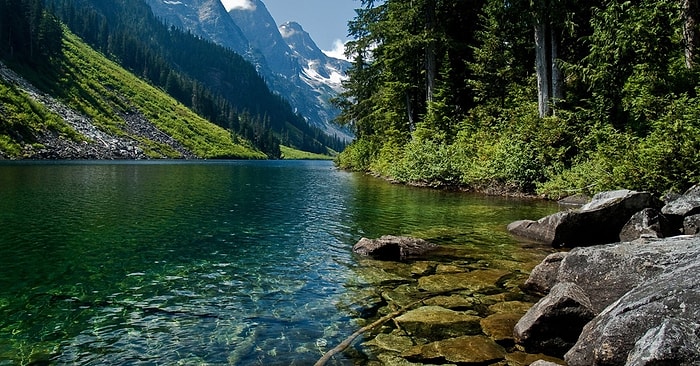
[338,50]
[239,4]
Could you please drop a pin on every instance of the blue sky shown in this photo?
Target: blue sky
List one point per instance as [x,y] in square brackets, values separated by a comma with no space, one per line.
[325,20]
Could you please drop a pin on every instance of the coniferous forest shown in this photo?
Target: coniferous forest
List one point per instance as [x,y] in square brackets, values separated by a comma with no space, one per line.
[553,97]
[215,82]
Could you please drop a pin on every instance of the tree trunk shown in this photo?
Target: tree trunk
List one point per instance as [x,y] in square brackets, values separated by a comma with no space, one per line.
[542,68]
[690,14]
[430,57]
[557,77]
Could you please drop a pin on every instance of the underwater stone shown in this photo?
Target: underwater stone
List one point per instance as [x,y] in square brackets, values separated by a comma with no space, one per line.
[435,323]
[467,350]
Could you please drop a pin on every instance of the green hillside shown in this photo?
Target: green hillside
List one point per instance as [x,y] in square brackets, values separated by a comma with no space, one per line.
[115,101]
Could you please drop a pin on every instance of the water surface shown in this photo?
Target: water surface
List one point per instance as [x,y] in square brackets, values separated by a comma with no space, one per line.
[220,262]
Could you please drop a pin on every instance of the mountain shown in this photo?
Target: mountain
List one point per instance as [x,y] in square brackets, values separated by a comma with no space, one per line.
[89,107]
[214,81]
[286,57]
[205,18]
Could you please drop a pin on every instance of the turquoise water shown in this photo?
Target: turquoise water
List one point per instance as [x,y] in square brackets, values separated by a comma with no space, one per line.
[225,262]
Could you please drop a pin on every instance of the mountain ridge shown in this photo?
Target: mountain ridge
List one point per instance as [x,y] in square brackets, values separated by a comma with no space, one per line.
[105,113]
[308,80]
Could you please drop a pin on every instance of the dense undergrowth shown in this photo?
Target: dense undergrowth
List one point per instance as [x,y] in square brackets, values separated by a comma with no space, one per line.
[623,113]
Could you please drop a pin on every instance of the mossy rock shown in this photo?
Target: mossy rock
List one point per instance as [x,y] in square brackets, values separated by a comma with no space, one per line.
[435,323]
[466,350]
[478,281]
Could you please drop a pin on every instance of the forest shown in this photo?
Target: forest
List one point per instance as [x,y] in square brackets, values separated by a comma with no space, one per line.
[215,82]
[547,97]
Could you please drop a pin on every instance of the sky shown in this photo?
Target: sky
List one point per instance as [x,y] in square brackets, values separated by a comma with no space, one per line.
[325,20]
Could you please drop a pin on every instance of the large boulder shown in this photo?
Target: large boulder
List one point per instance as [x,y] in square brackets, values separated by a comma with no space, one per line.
[607,272]
[648,223]
[554,323]
[686,205]
[658,320]
[597,222]
[544,275]
[393,248]
[691,225]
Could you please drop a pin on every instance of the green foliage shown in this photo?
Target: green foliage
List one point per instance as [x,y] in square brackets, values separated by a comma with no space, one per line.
[289,153]
[628,118]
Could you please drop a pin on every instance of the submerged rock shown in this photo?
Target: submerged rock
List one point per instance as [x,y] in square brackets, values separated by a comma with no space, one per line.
[499,327]
[435,323]
[391,342]
[468,350]
[393,248]
[482,281]
[597,222]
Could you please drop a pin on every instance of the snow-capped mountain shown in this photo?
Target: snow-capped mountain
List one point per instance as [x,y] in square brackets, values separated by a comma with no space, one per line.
[286,56]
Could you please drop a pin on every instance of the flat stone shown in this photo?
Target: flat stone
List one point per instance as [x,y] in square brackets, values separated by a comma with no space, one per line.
[403,295]
[512,307]
[466,350]
[391,342]
[499,327]
[422,268]
[481,281]
[435,323]
[451,302]
[449,268]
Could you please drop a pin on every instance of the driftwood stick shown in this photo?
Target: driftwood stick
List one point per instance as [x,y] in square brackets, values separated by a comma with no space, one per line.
[348,341]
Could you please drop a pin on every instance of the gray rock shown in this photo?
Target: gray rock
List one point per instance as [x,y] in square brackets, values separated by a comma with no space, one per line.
[627,327]
[554,323]
[597,222]
[691,225]
[392,248]
[609,271]
[648,223]
[674,342]
[686,205]
[544,275]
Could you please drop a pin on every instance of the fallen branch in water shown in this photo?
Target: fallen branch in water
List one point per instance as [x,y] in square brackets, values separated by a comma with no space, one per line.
[348,341]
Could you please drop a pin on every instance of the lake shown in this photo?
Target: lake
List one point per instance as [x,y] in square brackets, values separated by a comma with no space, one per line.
[216,262]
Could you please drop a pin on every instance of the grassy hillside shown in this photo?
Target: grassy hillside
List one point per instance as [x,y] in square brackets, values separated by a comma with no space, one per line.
[116,102]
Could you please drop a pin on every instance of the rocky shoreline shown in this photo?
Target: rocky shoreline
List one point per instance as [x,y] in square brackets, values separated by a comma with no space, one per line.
[629,299]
